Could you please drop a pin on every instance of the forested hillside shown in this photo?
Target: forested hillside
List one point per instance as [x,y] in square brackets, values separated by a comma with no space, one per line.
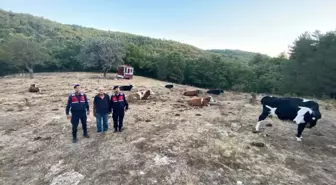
[34,44]
[240,55]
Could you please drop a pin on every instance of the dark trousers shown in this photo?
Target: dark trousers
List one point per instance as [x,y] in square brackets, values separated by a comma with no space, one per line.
[118,118]
[75,121]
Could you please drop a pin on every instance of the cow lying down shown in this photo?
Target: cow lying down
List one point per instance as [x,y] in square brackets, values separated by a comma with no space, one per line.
[305,113]
[33,88]
[126,87]
[200,101]
[140,95]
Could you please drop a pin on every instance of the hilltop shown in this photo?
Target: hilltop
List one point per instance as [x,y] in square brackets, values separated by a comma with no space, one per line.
[54,34]
[237,54]
[165,141]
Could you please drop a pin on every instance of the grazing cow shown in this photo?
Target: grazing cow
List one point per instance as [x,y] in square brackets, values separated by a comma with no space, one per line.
[200,101]
[126,87]
[215,91]
[169,86]
[33,88]
[192,93]
[305,113]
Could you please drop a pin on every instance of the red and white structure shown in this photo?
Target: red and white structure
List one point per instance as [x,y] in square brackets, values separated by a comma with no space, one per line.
[125,71]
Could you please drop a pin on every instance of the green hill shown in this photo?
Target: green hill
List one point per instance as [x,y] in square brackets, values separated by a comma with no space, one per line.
[236,54]
[52,33]
[35,44]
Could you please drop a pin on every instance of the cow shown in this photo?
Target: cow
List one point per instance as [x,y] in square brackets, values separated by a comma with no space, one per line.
[126,87]
[140,95]
[215,91]
[146,94]
[192,93]
[200,101]
[169,86]
[33,88]
[303,112]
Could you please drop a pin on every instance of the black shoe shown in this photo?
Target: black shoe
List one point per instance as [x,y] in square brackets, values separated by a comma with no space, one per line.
[121,129]
[74,140]
[115,130]
[86,136]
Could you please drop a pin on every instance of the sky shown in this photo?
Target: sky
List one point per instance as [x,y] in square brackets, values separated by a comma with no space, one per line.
[265,26]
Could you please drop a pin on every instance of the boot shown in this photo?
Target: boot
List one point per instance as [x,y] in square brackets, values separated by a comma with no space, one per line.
[74,140]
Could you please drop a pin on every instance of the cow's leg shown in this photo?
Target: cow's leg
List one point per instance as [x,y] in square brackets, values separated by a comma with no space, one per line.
[301,127]
[262,117]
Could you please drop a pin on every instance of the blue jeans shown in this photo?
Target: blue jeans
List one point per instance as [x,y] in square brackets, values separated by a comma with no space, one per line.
[99,118]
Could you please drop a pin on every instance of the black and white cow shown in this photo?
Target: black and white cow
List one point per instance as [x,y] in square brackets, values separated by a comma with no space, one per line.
[215,91]
[305,113]
[169,86]
[126,87]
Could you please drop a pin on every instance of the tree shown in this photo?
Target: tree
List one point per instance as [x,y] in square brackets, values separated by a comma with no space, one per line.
[24,52]
[102,53]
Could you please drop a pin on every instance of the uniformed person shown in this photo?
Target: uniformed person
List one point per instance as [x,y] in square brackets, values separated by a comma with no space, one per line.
[79,108]
[118,107]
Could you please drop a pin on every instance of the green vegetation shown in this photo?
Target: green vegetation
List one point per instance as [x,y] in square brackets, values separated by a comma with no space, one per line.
[239,55]
[101,53]
[51,46]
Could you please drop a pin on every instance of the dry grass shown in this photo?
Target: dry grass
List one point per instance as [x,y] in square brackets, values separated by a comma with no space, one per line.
[165,141]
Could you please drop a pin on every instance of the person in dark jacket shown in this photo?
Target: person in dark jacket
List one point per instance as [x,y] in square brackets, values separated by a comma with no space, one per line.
[101,109]
[79,107]
[118,106]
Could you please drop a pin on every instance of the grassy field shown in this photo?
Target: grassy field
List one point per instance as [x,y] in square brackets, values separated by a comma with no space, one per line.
[165,141]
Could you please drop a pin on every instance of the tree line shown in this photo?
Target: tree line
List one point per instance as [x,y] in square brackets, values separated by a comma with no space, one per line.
[34,44]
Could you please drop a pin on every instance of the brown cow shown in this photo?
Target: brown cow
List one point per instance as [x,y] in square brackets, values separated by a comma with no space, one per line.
[33,88]
[192,93]
[140,95]
[200,101]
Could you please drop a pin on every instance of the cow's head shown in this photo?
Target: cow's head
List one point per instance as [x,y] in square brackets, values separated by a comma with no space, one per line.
[209,99]
[312,117]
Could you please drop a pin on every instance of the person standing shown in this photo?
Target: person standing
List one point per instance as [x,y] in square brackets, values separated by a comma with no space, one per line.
[101,109]
[118,107]
[79,107]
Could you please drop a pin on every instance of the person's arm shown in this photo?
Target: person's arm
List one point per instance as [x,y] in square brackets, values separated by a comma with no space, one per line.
[126,103]
[94,106]
[67,109]
[109,103]
[87,104]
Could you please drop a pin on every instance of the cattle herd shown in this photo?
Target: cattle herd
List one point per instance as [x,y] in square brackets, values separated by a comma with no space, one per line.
[305,113]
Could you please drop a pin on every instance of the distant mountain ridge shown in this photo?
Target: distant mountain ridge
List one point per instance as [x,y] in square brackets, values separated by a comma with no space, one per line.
[237,54]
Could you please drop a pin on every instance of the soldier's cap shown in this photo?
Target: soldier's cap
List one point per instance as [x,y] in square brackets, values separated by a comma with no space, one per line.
[76,85]
[116,86]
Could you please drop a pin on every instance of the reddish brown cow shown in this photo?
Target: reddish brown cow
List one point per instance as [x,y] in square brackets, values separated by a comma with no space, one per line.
[200,101]
[192,93]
